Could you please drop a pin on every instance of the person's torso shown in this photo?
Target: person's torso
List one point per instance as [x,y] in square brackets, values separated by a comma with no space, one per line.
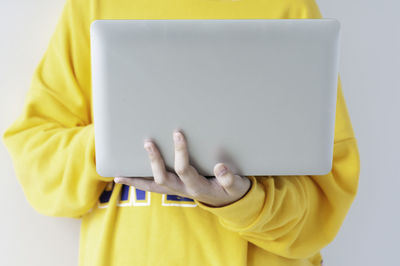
[133,227]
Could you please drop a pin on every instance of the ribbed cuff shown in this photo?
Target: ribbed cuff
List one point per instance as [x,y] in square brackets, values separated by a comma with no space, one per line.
[241,213]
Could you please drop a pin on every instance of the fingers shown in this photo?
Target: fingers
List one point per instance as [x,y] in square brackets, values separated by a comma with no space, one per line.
[188,174]
[156,162]
[220,191]
[232,184]
[181,152]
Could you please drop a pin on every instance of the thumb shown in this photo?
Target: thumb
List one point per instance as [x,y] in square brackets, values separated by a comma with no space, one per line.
[233,184]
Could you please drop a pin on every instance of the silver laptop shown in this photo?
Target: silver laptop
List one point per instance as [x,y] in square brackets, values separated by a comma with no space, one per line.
[256,94]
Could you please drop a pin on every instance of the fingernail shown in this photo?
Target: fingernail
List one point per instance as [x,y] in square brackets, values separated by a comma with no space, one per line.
[222,171]
[178,136]
[148,147]
[117,180]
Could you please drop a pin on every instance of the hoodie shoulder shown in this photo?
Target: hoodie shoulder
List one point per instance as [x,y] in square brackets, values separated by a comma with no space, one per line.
[303,9]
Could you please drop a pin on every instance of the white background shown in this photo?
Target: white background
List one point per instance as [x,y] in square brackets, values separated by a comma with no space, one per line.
[370,71]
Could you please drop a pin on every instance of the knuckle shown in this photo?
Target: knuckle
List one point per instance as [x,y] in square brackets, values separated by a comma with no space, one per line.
[154,159]
[194,192]
[180,147]
[181,170]
[160,181]
[227,182]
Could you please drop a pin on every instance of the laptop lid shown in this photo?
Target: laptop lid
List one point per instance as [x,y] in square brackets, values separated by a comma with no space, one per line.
[256,94]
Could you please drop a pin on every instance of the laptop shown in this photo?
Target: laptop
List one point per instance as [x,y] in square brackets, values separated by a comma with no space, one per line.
[256,94]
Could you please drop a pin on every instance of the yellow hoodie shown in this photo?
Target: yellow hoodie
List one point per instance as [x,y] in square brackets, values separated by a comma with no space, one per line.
[283,220]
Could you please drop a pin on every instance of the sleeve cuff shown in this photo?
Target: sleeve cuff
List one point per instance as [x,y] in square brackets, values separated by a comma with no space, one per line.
[241,213]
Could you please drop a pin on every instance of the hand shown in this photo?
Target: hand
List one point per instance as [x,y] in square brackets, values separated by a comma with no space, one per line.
[218,191]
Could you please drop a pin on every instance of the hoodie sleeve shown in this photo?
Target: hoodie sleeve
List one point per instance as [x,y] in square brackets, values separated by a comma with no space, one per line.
[296,216]
[51,143]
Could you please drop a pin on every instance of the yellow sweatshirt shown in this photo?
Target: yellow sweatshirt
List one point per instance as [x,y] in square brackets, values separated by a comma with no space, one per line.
[283,220]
